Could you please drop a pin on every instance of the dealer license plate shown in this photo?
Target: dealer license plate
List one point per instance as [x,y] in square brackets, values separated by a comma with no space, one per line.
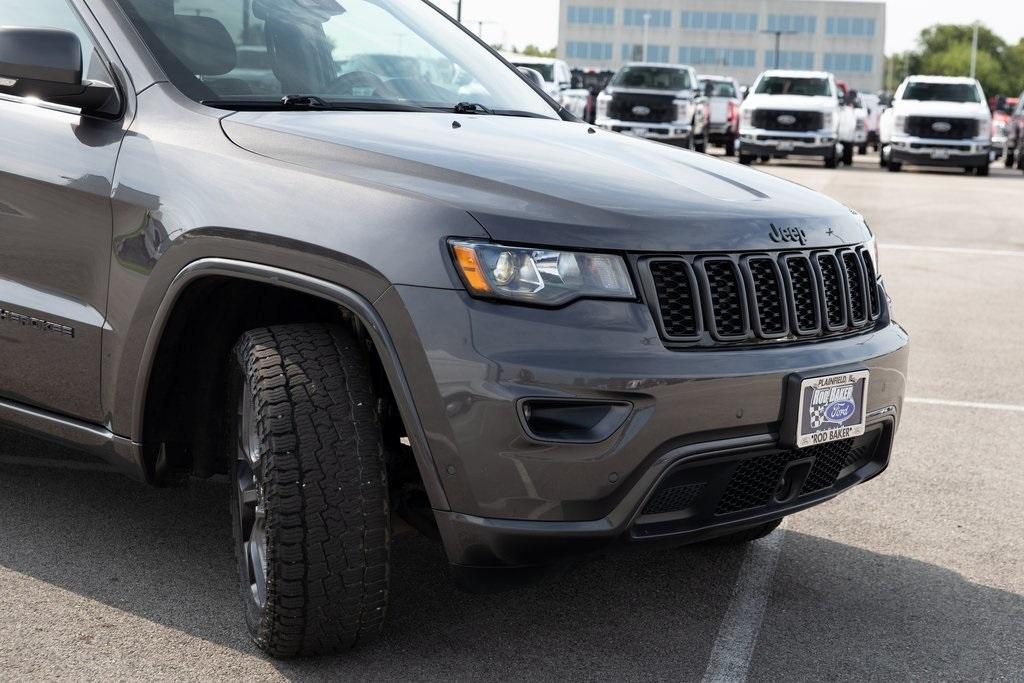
[940,154]
[637,132]
[832,408]
[785,146]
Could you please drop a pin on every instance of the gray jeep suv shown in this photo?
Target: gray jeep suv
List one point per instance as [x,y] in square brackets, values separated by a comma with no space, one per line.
[426,292]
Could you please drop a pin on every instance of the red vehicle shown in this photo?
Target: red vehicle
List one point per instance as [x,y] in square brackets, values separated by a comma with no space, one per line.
[1003,111]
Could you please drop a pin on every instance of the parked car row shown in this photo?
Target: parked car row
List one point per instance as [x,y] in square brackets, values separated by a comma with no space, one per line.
[929,121]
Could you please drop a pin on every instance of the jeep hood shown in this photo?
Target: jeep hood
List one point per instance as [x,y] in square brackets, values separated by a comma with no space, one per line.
[791,103]
[549,182]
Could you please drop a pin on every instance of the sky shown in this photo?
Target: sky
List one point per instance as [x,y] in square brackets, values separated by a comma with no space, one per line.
[519,22]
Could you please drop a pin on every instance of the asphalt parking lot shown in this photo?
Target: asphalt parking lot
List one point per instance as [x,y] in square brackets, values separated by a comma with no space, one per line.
[917,575]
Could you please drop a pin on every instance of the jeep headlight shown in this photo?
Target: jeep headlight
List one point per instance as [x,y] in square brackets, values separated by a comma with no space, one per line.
[547,277]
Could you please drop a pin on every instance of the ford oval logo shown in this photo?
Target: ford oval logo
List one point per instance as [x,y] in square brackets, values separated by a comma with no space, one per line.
[840,411]
[942,127]
[786,119]
[641,110]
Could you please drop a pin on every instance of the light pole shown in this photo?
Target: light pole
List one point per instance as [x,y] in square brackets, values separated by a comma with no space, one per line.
[778,42]
[647,26]
[974,51]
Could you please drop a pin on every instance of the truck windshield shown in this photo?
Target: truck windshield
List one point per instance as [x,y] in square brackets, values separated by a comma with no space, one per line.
[652,78]
[941,92]
[356,54]
[788,85]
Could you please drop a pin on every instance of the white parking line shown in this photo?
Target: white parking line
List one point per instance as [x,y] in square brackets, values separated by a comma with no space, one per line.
[952,250]
[737,636]
[1007,407]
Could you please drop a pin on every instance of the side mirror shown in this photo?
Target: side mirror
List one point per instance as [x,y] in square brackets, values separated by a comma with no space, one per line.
[533,76]
[709,89]
[47,63]
[744,92]
[851,98]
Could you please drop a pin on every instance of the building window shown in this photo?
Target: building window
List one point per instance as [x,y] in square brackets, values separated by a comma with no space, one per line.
[850,26]
[634,52]
[798,23]
[789,59]
[711,56]
[720,21]
[849,62]
[602,16]
[583,50]
[659,18]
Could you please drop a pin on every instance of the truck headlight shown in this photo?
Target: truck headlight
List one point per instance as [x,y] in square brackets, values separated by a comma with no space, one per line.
[547,277]
[684,109]
[747,118]
[899,123]
[828,121]
[603,100]
[984,129]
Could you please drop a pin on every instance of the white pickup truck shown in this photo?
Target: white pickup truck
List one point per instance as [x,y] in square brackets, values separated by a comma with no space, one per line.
[791,113]
[723,93]
[937,121]
[557,81]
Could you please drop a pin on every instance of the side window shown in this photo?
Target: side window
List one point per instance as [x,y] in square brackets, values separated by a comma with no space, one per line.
[52,14]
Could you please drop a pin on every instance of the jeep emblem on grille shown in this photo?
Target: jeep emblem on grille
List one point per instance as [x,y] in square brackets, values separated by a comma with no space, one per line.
[942,127]
[641,110]
[786,119]
[788,235]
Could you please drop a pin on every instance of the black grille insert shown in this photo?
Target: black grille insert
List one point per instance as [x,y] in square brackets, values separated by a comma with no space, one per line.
[642,108]
[941,128]
[759,298]
[794,121]
[673,498]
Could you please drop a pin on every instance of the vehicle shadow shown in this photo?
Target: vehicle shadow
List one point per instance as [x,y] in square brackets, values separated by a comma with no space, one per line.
[165,556]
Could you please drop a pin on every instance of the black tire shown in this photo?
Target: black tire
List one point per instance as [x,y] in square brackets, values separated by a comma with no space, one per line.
[765,158]
[701,145]
[746,160]
[309,468]
[730,148]
[895,166]
[1020,159]
[1008,158]
[982,170]
[847,155]
[831,161]
[862,150]
[747,535]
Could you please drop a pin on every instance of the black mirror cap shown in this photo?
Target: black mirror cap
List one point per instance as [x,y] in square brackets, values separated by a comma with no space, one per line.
[47,63]
[709,88]
[45,55]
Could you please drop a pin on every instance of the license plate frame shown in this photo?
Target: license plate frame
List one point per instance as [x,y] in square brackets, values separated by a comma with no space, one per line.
[940,154]
[786,146]
[826,407]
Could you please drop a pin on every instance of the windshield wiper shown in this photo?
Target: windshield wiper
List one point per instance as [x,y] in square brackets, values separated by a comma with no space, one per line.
[471,108]
[307,103]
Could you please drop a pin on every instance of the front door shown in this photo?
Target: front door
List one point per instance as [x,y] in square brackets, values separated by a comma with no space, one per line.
[55,231]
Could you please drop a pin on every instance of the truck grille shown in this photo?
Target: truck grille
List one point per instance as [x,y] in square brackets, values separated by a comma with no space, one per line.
[759,298]
[792,121]
[941,128]
[642,108]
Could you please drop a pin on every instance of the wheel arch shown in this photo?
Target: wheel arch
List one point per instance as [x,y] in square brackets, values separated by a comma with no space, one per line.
[190,281]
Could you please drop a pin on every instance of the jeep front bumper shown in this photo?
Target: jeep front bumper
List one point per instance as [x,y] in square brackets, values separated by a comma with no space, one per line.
[519,501]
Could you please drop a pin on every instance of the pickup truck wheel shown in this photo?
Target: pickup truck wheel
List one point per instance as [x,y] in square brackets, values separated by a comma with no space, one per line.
[701,145]
[895,166]
[309,490]
[1008,158]
[747,535]
[746,159]
[831,161]
[983,170]
[730,148]
[847,155]
[862,150]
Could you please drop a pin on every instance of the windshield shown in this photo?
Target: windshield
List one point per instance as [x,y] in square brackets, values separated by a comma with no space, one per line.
[652,78]
[722,89]
[941,92]
[360,54]
[786,85]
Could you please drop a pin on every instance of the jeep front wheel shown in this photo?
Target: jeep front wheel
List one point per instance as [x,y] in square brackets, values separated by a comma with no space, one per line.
[309,490]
